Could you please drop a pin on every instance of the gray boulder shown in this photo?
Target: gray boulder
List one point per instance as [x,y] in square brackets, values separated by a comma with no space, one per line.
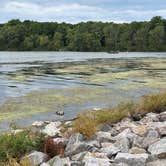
[110,149]
[150,117]
[152,137]
[138,141]
[157,163]
[76,145]
[158,149]
[52,129]
[162,116]
[35,158]
[57,161]
[126,133]
[123,144]
[136,150]
[103,136]
[132,159]
[79,156]
[96,159]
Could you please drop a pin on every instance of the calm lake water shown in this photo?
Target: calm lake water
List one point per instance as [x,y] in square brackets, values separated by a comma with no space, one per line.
[34,85]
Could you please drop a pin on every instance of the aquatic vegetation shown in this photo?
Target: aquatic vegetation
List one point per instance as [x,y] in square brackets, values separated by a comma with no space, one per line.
[18,77]
[51,100]
[92,82]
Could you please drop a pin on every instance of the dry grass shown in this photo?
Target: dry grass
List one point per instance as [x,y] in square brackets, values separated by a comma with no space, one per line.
[88,123]
[14,162]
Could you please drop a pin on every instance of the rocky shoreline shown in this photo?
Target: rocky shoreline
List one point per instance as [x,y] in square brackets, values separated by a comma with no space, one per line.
[126,143]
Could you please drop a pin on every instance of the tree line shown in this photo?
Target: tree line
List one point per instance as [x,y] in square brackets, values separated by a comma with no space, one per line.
[17,35]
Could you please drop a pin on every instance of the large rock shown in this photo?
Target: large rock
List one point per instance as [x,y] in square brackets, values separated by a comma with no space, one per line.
[103,136]
[152,137]
[35,158]
[94,143]
[57,161]
[52,129]
[125,124]
[127,133]
[110,149]
[158,149]
[76,163]
[79,156]
[150,117]
[159,126]
[78,148]
[123,144]
[162,116]
[132,159]
[76,145]
[138,141]
[157,163]
[140,130]
[136,150]
[96,159]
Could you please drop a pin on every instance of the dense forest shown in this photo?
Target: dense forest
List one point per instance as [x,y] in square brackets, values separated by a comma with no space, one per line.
[90,36]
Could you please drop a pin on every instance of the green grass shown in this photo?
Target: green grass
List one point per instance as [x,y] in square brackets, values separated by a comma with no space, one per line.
[17,145]
[89,122]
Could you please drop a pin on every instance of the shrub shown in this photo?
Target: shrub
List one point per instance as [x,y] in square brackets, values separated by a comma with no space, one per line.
[16,145]
[153,103]
[86,124]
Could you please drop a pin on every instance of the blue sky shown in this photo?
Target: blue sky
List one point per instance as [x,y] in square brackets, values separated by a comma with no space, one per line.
[74,11]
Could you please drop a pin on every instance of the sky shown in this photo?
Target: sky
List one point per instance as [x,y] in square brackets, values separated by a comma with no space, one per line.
[74,11]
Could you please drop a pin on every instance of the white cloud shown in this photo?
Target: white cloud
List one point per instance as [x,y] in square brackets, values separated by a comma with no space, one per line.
[41,10]
[74,12]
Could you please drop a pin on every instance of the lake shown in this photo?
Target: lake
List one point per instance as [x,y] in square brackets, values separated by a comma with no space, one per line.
[34,85]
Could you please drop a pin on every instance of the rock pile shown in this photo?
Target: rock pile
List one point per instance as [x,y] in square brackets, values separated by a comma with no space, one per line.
[127,143]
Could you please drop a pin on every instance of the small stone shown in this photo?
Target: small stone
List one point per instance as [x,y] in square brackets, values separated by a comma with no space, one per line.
[158,149]
[132,159]
[51,129]
[96,109]
[38,124]
[68,123]
[35,158]
[45,164]
[17,131]
[136,150]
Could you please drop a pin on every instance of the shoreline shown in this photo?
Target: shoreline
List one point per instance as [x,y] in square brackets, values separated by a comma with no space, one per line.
[111,137]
